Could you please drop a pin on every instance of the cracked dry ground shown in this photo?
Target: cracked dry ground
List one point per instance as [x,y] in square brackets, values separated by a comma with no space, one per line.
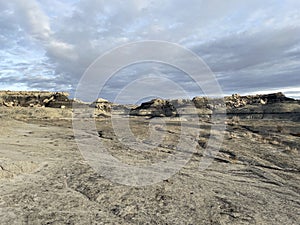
[254,179]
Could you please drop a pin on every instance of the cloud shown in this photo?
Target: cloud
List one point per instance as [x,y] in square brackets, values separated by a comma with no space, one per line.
[253,61]
[250,46]
[28,39]
[32,19]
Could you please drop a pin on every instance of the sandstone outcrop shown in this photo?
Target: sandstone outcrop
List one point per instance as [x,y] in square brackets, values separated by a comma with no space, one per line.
[263,106]
[267,106]
[155,108]
[102,107]
[35,99]
[236,101]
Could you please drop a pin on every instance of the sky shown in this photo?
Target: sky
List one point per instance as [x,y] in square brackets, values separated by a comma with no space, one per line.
[251,46]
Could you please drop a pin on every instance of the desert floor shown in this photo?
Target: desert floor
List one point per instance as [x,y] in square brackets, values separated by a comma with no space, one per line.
[44,178]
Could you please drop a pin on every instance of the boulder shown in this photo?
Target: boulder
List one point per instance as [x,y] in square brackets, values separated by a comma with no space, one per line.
[155,108]
[200,102]
[102,108]
[8,104]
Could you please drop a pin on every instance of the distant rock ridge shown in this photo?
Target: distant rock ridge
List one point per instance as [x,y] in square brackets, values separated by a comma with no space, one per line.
[239,101]
[205,105]
[35,99]
[249,106]
[265,106]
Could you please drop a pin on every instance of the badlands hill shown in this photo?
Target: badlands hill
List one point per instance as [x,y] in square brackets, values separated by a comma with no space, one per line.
[275,105]
[252,176]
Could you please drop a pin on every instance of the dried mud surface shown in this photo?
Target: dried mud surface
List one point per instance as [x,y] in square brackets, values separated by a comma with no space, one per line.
[44,179]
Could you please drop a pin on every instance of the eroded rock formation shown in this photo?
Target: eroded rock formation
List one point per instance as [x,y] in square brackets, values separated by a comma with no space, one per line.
[102,107]
[236,101]
[266,106]
[155,108]
[34,99]
[270,106]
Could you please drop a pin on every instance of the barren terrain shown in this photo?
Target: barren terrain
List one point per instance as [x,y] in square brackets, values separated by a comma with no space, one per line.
[254,178]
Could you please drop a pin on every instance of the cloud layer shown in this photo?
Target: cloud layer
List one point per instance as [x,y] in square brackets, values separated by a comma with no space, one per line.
[251,46]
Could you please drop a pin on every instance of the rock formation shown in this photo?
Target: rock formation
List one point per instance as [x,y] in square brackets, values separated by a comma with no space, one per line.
[155,108]
[252,175]
[102,107]
[268,106]
[34,99]
[236,101]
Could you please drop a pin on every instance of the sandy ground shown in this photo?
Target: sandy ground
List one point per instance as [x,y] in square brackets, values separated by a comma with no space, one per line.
[254,179]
